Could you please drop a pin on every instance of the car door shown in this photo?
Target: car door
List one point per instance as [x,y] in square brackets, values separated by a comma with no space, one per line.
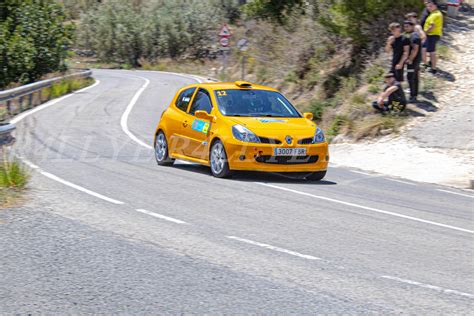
[178,118]
[197,130]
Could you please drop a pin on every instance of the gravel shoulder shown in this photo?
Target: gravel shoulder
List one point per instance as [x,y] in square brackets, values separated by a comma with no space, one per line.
[438,146]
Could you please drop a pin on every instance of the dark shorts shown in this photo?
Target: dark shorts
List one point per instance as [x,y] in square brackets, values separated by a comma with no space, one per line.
[430,43]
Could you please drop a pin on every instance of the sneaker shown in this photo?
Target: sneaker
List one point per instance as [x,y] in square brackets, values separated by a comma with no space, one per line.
[433,71]
[426,66]
[413,100]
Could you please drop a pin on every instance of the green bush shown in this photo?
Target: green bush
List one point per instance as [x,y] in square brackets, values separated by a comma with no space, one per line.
[317,107]
[374,89]
[33,40]
[66,86]
[374,74]
[291,77]
[338,122]
[13,174]
[359,98]
[123,32]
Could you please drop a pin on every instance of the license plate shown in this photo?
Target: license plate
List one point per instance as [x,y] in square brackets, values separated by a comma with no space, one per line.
[290,152]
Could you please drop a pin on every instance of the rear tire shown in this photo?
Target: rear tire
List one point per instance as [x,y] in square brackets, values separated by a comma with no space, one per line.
[218,161]
[161,150]
[316,176]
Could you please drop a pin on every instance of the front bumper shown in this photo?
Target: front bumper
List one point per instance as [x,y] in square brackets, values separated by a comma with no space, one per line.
[259,157]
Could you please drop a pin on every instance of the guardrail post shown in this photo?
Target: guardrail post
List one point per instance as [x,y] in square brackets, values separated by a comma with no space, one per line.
[40,96]
[9,110]
[30,100]
[20,104]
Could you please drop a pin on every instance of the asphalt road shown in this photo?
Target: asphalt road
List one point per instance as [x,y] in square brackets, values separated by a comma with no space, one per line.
[108,231]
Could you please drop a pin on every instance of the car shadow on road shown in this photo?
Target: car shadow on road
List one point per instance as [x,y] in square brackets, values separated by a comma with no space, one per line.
[254,176]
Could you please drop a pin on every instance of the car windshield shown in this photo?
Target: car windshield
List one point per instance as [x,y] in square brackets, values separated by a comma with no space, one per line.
[254,103]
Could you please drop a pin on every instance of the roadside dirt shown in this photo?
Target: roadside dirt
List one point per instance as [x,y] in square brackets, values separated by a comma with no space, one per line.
[437,146]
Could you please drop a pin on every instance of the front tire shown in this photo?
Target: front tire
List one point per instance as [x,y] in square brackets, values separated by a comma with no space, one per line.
[218,161]
[316,176]
[161,150]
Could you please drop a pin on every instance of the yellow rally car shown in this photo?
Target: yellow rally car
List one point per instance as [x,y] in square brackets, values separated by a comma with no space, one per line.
[240,126]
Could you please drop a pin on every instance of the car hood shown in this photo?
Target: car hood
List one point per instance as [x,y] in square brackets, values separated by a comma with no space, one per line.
[268,124]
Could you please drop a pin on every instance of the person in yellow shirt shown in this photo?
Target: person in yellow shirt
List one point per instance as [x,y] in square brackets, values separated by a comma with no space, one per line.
[434,30]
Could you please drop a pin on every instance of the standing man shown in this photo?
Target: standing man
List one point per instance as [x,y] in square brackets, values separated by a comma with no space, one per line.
[414,59]
[434,30]
[413,17]
[399,45]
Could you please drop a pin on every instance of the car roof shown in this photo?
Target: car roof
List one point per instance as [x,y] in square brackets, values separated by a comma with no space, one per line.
[231,86]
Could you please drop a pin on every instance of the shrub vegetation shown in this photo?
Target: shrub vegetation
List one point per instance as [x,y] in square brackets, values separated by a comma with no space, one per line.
[34,37]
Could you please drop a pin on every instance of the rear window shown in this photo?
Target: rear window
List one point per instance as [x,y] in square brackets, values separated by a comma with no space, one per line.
[184,98]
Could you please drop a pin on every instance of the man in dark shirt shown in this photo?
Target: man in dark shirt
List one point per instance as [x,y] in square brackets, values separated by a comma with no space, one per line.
[414,59]
[399,45]
[394,94]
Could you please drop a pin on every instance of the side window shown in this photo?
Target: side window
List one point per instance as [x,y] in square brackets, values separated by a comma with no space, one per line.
[202,102]
[184,98]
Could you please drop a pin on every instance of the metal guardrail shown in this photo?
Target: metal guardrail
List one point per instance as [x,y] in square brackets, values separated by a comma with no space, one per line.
[12,101]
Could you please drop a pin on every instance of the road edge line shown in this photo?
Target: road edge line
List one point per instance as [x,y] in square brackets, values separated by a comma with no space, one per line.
[274,248]
[368,208]
[427,286]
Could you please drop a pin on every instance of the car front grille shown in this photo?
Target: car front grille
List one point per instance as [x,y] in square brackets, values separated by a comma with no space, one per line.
[287,160]
[265,140]
[306,141]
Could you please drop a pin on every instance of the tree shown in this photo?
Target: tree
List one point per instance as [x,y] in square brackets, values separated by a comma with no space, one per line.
[275,10]
[124,32]
[33,40]
[355,18]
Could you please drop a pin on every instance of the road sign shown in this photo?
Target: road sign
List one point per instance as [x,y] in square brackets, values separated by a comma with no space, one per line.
[224,41]
[225,31]
[243,45]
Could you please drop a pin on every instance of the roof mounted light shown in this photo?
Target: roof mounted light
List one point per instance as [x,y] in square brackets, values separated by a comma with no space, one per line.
[243,84]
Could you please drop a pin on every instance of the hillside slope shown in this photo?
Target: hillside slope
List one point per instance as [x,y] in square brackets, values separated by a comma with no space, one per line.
[438,146]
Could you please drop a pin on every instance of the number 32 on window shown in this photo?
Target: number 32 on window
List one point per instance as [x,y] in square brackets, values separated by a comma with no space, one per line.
[222,93]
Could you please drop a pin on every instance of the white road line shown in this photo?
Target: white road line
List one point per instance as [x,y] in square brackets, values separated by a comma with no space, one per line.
[198,79]
[23,115]
[400,181]
[82,189]
[255,243]
[471,196]
[166,218]
[360,172]
[50,175]
[368,208]
[124,118]
[428,286]
[28,163]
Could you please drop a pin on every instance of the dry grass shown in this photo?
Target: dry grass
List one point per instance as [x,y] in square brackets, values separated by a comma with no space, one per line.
[377,125]
[66,86]
[10,198]
[13,180]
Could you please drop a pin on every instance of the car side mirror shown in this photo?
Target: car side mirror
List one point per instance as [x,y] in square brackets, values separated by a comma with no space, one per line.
[203,115]
[308,115]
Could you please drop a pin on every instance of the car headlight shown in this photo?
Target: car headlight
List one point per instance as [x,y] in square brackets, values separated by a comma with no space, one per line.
[319,136]
[244,134]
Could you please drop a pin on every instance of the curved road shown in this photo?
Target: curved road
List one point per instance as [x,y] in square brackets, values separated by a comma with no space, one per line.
[122,235]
